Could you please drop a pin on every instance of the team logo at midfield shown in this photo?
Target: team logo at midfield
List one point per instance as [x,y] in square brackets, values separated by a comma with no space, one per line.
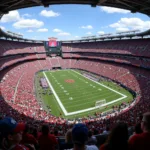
[69,81]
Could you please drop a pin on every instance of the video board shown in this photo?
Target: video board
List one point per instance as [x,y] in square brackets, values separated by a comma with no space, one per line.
[52,47]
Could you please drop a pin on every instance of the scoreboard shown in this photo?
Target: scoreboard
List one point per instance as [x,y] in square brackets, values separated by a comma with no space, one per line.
[52,43]
[52,47]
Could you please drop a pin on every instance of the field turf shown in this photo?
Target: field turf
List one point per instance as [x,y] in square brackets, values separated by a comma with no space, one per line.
[75,95]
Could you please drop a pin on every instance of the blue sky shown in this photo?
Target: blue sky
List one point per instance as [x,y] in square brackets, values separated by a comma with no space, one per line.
[71,21]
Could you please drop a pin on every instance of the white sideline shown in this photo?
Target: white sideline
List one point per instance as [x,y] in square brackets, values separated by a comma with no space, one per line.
[84,110]
[56,96]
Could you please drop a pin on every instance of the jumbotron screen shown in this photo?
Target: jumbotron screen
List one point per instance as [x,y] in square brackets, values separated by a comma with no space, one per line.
[52,47]
[52,43]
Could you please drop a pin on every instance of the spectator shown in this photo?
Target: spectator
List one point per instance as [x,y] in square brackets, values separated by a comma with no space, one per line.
[68,136]
[142,141]
[35,133]
[11,133]
[138,129]
[56,133]
[28,139]
[106,131]
[68,141]
[80,137]
[117,139]
[46,140]
[91,139]
[95,132]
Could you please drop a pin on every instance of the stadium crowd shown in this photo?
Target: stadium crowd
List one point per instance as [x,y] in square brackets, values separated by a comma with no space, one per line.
[17,99]
[17,90]
[138,47]
[21,136]
[29,106]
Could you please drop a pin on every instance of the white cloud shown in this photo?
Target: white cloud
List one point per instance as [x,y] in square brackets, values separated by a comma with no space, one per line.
[28,23]
[42,30]
[49,13]
[76,36]
[101,32]
[3,28]
[122,29]
[111,10]
[87,27]
[26,15]
[30,30]
[61,33]
[89,33]
[131,24]
[10,17]
[64,34]
[57,30]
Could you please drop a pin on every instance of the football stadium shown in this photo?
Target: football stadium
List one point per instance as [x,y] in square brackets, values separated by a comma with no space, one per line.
[59,76]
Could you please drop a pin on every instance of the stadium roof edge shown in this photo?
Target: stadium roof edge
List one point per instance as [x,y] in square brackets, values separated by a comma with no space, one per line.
[140,34]
[134,6]
[111,37]
[10,36]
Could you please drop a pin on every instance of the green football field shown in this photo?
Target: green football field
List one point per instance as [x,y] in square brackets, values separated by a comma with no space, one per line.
[74,95]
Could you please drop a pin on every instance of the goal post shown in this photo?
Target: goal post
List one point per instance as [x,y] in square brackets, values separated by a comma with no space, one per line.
[100,103]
